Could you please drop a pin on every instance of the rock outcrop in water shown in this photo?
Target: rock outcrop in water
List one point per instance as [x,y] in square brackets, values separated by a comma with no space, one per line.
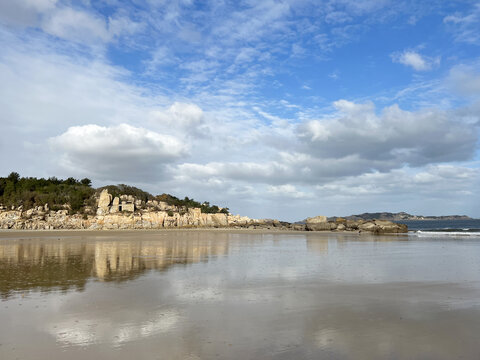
[320,223]
[127,212]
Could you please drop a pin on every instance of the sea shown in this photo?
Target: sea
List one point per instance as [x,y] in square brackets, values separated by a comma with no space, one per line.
[470,227]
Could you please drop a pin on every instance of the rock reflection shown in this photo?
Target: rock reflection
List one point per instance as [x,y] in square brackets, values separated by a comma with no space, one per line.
[68,264]
[320,243]
[275,296]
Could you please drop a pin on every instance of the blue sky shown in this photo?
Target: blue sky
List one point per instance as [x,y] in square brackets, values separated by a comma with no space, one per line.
[281,109]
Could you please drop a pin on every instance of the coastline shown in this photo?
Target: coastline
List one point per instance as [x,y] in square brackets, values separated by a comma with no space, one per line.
[11,234]
[136,214]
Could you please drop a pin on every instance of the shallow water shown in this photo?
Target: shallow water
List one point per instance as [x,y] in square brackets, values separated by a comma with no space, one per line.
[244,295]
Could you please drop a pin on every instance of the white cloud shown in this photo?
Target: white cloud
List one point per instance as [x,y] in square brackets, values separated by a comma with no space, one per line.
[465,79]
[465,25]
[415,60]
[246,55]
[362,7]
[286,191]
[74,24]
[160,56]
[254,22]
[24,12]
[87,27]
[442,179]
[116,152]
[337,17]
[393,138]
[218,115]
[42,90]
[265,172]
[186,117]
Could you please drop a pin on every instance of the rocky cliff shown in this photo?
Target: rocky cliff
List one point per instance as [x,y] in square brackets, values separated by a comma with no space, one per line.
[127,212]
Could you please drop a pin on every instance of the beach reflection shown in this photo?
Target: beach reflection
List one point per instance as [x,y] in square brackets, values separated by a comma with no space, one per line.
[67,264]
[205,295]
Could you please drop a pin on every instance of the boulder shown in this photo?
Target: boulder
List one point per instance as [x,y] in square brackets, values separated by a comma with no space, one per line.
[105,199]
[316,219]
[237,220]
[368,226]
[115,205]
[298,227]
[218,219]
[352,224]
[321,226]
[384,226]
[128,206]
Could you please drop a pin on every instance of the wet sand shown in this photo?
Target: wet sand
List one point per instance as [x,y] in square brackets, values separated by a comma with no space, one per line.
[237,295]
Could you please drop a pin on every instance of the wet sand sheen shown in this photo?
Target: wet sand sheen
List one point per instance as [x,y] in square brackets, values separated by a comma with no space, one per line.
[237,295]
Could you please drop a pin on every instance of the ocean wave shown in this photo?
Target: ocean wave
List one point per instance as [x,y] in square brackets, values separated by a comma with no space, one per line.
[449,232]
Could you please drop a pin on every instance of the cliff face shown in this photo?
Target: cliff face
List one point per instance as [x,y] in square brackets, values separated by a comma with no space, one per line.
[127,212]
[124,212]
[36,219]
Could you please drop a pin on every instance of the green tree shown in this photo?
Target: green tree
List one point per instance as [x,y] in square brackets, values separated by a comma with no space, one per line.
[70,181]
[14,177]
[86,182]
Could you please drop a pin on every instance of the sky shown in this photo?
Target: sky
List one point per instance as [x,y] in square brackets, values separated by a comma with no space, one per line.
[276,109]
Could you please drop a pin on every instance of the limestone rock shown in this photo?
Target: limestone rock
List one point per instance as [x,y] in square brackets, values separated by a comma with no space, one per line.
[128,206]
[384,226]
[237,220]
[150,217]
[105,199]
[316,219]
[368,226]
[321,226]
[115,205]
[219,219]
[352,224]
[299,227]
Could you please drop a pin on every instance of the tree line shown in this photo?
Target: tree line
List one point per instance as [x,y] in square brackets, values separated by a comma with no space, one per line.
[77,194]
[29,192]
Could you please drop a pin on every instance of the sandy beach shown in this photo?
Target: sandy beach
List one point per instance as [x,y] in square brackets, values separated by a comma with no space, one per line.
[237,294]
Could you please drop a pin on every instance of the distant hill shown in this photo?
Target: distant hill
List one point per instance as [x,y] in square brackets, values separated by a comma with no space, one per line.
[400,216]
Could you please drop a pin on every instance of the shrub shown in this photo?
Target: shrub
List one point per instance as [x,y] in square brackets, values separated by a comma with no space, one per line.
[189,203]
[86,182]
[30,192]
[122,189]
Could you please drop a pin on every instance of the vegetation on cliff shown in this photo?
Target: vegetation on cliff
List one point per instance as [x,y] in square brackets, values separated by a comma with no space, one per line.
[29,192]
[122,189]
[76,195]
[190,203]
